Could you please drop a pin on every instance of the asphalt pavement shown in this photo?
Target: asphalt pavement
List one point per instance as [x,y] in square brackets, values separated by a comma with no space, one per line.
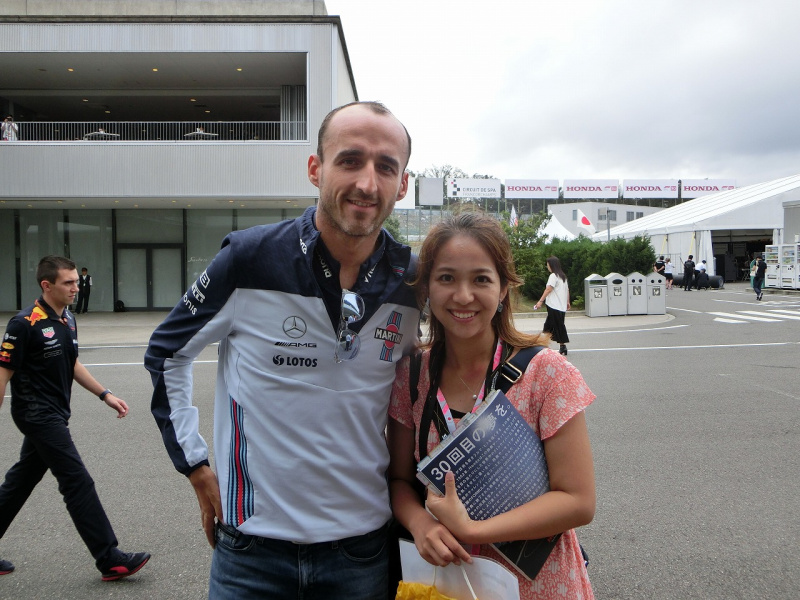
[695,434]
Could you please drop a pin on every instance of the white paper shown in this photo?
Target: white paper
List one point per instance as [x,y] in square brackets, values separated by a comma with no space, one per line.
[489,579]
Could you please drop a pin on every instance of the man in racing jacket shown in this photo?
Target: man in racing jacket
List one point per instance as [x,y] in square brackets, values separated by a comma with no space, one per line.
[311,316]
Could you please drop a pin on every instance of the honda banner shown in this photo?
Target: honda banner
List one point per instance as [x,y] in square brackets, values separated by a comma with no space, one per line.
[546,189]
[650,188]
[604,189]
[693,188]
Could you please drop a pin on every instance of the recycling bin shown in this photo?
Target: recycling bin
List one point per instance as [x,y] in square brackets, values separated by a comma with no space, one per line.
[637,294]
[617,294]
[656,294]
[595,293]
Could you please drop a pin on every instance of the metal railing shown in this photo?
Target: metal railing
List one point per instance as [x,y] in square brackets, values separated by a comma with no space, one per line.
[168,131]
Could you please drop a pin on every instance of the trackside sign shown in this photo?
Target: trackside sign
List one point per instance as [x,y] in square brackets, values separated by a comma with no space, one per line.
[546,189]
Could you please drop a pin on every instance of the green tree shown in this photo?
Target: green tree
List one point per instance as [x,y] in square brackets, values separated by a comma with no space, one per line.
[526,241]
[392,225]
[628,256]
[579,257]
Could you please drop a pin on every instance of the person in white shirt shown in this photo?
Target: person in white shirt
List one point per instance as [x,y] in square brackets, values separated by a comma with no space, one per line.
[701,277]
[9,129]
[556,297]
[668,273]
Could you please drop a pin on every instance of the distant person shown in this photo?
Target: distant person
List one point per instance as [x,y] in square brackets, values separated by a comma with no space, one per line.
[758,280]
[85,290]
[701,276]
[556,297]
[658,267]
[9,129]
[753,269]
[40,359]
[688,274]
[668,273]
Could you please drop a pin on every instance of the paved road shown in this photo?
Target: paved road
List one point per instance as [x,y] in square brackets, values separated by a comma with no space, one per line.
[696,435]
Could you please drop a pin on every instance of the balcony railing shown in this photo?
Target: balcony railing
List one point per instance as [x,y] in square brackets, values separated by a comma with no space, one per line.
[167,131]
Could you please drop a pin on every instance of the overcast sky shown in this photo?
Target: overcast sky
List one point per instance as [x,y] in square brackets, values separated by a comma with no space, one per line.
[581,89]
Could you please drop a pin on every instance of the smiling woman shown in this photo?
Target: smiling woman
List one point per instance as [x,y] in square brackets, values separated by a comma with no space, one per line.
[466,272]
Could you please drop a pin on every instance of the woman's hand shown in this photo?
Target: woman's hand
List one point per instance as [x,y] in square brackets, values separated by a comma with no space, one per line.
[451,511]
[436,544]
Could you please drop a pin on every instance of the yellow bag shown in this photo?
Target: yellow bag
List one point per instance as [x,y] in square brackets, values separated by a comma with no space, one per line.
[409,590]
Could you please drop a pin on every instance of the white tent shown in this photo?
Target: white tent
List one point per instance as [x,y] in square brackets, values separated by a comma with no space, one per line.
[697,226]
[554,229]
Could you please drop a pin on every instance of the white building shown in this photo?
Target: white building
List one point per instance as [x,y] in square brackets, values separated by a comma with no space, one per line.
[725,228]
[149,130]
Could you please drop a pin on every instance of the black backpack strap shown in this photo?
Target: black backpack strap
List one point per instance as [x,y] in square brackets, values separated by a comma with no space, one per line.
[513,369]
[431,414]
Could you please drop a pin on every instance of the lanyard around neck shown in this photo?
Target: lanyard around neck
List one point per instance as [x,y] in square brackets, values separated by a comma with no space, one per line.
[445,407]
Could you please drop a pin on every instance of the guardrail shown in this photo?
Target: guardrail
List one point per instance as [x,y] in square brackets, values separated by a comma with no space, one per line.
[170,131]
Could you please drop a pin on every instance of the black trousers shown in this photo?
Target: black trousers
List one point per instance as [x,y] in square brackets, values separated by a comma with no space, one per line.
[554,325]
[83,300]
[688,279]
[50,446]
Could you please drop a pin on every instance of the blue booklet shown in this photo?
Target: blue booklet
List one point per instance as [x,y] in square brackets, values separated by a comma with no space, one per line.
[499,464]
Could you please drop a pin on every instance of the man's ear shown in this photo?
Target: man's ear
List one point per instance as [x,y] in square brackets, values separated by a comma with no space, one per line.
[314,168]
[403,187]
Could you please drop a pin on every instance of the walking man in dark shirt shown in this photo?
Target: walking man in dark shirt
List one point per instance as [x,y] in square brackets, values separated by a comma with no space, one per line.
[39,357]
[758,280]
[688,274]
[659,266]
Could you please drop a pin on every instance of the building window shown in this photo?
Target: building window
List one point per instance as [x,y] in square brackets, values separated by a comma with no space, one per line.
[575,215]
[629,216]
[639,215]
[612,215]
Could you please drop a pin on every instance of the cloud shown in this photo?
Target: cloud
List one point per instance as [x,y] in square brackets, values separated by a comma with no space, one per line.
[621,89]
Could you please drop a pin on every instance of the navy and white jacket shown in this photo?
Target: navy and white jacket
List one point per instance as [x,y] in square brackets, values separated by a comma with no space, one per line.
[299,443]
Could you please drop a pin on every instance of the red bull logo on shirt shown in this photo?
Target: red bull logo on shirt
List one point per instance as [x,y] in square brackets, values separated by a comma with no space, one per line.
[36,315]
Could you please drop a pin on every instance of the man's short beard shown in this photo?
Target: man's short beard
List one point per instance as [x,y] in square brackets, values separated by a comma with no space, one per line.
[356,229]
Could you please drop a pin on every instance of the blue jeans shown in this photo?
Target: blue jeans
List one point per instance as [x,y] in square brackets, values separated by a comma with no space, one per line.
[758,283]
[246,566]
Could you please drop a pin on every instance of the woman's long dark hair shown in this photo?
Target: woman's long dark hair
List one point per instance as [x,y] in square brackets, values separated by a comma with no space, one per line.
[487,233]
[555,266]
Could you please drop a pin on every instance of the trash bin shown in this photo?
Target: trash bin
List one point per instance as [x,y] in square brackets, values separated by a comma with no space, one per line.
[595,293]
[656,294]
[637,294]
[617,294]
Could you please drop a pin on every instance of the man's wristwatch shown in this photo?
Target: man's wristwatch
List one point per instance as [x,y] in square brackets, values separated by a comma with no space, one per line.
[103,394]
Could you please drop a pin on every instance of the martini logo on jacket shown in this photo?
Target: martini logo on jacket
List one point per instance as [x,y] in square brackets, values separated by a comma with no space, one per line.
[390,335]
